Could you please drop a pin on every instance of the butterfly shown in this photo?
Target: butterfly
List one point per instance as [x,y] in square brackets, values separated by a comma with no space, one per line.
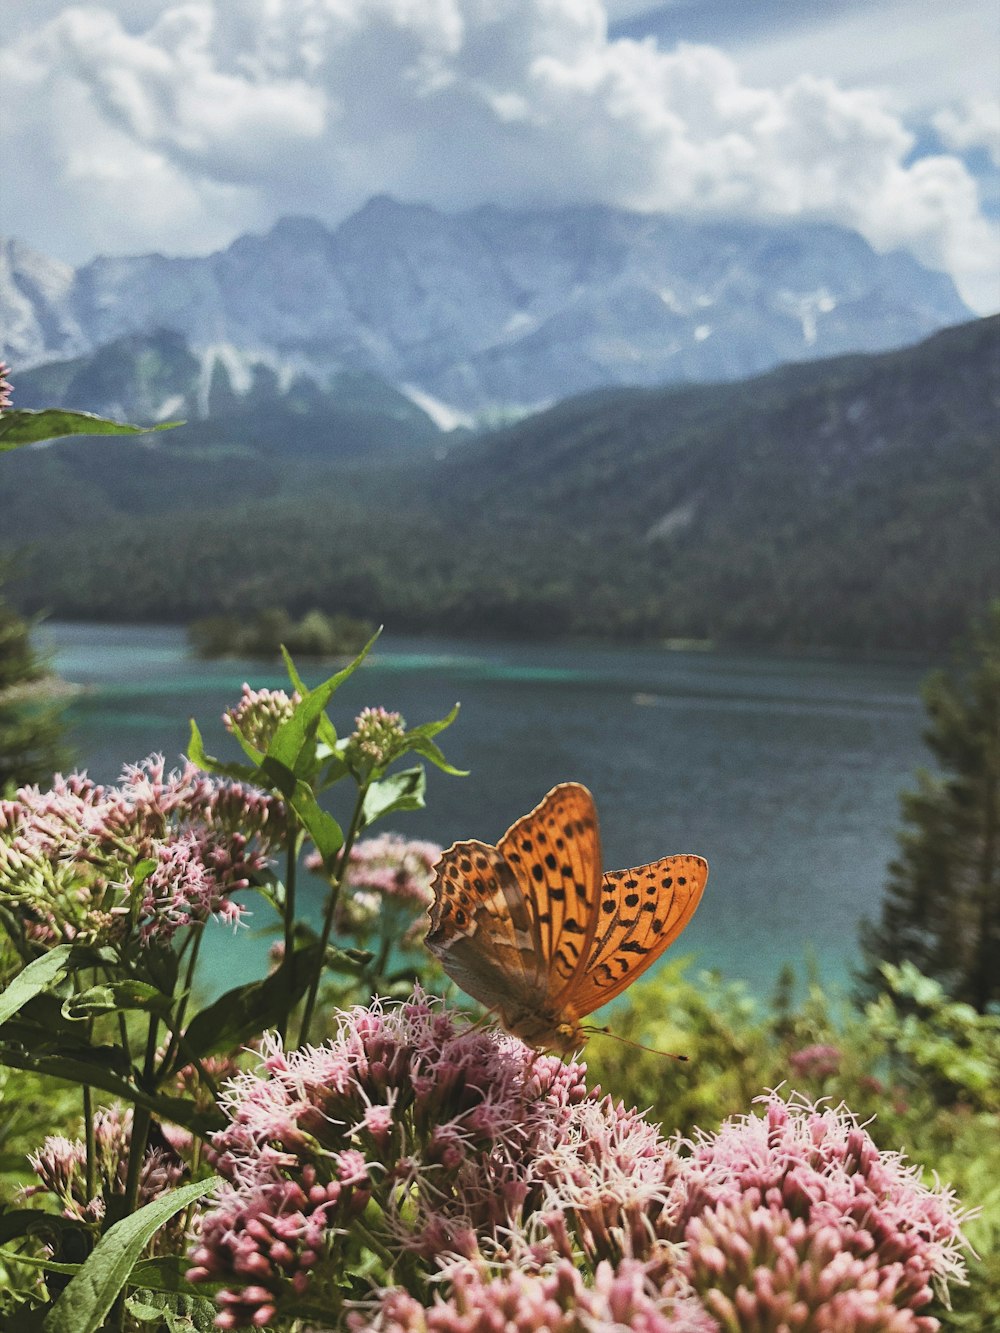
[532,930]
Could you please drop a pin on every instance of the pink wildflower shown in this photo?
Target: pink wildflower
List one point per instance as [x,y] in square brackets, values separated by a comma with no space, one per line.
[797,1216]
[5,386]
[183,890]
[377,738]
[558,1301]
[259,714]
[394,867]
[439,1122]
[60,1165]
[68,856]
[608,1177]
[388,884]
[818,1062]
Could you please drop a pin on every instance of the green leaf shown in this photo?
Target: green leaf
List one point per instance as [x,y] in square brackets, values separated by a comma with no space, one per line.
[143,870]
[429,729]
[164,1273]
[79,1068]
[419,741]
[399,791]
[174,1313]
[326,833]
[424,746]
[22,427]
[291,738]
[35,978]
[118,995]
[247,1010]
[91,1293]
[165,1298]
[333,772]
[197,754]
[272,773]
[33,1222]
[49,1265]
[249,749]
[327,732]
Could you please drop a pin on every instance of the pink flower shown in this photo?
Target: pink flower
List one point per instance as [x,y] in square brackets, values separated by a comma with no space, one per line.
[795,1218]
[183,889]
[60,1165]
[817,1062]
[387,885]
[609,1179]
[394,867]
[438,1122]
[259,714]
[377,739]
[558,1301]
[68,856]
[5,386]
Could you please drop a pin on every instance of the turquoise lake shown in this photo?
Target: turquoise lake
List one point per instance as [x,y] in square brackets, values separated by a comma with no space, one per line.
[784,773]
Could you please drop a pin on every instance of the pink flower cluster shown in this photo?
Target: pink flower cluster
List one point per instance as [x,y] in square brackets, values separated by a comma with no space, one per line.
[385,873]
[494,1169]
[394,867]
[439,1124]
[795,1219]
[69,856]
[259,714]
[817,1062]
[557,1300]
[61,1167]
[377,738]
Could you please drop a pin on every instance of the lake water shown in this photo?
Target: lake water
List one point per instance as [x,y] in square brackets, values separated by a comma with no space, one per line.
[784,773]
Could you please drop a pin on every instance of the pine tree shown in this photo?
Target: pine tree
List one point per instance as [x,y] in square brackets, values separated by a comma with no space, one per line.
[942,905]
[32,725]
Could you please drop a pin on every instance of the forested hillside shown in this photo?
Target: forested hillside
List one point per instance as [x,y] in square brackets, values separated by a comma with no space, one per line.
[852,503]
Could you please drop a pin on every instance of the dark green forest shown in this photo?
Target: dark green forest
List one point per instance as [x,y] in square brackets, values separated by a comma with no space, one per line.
[846,504]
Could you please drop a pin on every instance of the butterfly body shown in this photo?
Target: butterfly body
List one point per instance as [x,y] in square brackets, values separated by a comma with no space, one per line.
[532,930]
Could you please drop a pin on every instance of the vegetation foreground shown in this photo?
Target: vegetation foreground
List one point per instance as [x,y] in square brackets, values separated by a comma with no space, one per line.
[342,1145]
[333,1146]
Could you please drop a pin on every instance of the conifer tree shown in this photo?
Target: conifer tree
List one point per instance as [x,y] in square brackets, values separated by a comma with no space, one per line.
[942,905]
[31,724]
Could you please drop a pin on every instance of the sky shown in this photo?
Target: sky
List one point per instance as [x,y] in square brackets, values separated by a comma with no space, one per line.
[128,126]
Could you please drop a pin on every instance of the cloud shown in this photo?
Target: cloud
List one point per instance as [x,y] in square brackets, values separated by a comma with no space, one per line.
[209,118]
[976,124]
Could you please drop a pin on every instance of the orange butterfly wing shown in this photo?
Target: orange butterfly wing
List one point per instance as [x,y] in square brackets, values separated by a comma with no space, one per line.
[532,930]
[642,912]
[482,928]
[555,853]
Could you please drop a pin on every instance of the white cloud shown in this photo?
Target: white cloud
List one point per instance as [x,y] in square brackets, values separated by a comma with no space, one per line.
[214,116]
[975,124]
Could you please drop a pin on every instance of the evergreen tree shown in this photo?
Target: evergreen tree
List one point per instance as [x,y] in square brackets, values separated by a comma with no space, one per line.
[32,725]
[942,905]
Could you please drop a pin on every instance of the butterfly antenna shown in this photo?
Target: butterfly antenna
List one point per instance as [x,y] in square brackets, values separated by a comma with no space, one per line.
[625,1041]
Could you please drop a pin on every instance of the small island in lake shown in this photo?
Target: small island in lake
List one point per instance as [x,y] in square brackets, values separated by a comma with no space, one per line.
[263,633]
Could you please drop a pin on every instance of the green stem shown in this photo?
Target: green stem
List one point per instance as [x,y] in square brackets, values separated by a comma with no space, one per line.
[291,864]
[331,907]
[90,1139]
[378,972]
[142,1118]
[123,1033]
[178,1022]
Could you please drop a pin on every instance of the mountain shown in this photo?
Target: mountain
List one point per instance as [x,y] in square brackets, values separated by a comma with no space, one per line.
[491,309]
[852,503]
[250,432]
[153,377]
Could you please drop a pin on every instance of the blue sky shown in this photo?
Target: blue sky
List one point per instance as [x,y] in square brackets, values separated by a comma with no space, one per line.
[133,126]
